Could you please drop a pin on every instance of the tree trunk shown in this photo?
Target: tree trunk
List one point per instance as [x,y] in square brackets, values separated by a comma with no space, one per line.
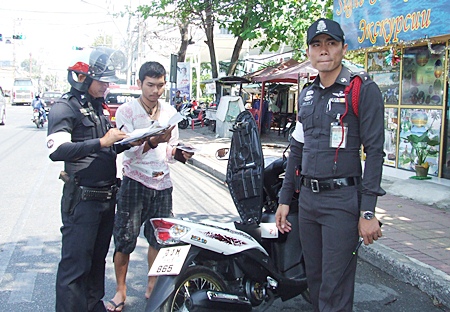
[209,28]
[235,57]
[184,32]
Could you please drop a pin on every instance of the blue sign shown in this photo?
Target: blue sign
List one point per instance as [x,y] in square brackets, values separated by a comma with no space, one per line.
[368,23]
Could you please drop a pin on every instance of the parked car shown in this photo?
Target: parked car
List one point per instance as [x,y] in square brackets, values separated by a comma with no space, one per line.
[116,96]
[2,107]
[49,98]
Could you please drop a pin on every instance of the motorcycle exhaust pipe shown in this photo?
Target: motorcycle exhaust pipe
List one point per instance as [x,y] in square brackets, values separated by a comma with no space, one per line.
[210,300]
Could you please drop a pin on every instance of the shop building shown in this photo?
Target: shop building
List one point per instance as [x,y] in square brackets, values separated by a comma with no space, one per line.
[406,46]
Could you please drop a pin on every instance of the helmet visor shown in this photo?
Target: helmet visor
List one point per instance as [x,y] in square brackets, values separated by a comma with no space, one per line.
[103,63]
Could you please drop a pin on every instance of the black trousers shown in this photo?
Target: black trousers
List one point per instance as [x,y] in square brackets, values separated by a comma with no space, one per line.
[329,235]
[86,236]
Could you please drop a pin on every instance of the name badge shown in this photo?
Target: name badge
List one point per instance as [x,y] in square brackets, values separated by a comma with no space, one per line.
[338,135]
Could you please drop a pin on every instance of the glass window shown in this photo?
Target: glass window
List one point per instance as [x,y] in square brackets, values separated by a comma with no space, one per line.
[423,75]
[386,73]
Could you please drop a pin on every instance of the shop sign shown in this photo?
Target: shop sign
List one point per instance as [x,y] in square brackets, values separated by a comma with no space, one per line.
[368,23]
[210,88]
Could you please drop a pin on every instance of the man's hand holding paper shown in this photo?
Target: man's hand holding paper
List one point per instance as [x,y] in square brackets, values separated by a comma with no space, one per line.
[138,136]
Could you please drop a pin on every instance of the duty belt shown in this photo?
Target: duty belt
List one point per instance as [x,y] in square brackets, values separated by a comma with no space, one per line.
[98,193]
[329,184]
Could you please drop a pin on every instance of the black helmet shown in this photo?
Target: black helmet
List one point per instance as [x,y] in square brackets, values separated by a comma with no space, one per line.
[101,64]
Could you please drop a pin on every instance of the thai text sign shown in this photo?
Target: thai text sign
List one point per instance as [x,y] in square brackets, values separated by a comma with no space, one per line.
[368,23]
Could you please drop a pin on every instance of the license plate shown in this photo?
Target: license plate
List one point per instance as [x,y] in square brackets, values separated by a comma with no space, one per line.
[268,230]
[169,260]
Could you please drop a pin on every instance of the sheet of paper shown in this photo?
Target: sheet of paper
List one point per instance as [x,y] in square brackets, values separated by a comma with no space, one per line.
[175,119]
[141,133]
[188,148]
[154,129]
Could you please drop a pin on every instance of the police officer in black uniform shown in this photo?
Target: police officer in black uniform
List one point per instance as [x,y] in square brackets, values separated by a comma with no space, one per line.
[80,135]
[336,204]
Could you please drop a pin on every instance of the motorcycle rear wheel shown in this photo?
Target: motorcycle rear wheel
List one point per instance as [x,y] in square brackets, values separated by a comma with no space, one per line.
[195,278]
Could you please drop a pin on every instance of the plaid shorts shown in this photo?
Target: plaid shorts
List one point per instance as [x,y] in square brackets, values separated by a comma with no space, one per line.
[136,205]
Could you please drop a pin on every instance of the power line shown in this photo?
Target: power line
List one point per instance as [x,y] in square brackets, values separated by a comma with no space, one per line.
[46,12]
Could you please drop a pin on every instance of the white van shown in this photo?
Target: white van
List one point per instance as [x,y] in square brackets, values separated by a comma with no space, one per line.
[23,91]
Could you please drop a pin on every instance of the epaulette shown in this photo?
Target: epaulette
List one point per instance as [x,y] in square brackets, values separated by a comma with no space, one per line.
[363,75]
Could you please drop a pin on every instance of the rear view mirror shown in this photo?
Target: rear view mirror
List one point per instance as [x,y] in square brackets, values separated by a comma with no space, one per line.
[222,153]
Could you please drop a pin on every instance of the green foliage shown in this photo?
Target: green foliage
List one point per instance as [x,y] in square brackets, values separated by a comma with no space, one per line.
[269,64]
[36,69]
[205,74]
[356,57]
[423,146]
[268,23]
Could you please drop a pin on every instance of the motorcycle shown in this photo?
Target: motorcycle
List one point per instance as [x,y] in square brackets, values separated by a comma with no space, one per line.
[237,266]
[189,114]
[38,118]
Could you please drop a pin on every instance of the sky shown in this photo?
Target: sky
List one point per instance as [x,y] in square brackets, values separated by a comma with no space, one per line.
[53,27]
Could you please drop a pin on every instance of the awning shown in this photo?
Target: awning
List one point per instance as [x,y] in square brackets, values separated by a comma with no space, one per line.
[286,72]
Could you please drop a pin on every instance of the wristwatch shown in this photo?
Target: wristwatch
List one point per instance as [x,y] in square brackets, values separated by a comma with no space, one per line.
[368,215]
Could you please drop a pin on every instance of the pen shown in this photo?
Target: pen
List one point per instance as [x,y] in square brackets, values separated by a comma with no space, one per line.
[121,127]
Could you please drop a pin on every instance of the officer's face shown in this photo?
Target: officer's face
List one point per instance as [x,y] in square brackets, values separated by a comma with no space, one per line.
[97,88]
[152,88]
[325,53]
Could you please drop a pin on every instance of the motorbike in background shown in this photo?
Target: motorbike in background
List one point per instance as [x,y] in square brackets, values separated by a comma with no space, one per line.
[238,266]
[190,114]
[289,128]
[38,118]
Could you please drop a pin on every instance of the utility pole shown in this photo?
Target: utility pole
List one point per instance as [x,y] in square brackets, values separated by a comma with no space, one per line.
[14,49]
[30,66]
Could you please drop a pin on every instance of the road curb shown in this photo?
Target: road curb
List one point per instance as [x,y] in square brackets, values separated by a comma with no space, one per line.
[202,165]
[430,280]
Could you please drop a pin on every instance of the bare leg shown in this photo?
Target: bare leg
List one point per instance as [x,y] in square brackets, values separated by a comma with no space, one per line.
[152,253]
[121,261]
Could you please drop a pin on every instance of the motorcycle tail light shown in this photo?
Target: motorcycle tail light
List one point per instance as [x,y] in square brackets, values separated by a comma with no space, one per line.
[168,233]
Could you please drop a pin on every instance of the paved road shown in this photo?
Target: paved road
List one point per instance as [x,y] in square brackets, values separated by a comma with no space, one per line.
[30,238]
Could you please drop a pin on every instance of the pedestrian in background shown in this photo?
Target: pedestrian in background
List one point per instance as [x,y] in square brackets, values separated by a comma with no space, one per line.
[146,191]
[81,136]
[177,100]
[336,205]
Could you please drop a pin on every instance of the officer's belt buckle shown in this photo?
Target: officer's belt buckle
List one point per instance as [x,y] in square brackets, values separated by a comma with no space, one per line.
[315,186]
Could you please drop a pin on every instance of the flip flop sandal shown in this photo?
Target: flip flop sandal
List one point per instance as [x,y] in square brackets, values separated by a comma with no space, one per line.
[116,306]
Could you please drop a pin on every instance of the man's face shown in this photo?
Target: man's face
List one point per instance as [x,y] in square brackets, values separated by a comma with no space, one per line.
[97,88]
[152,88]
[326,53]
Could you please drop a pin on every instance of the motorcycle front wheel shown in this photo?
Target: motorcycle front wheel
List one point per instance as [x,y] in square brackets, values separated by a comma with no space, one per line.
[183,124]
[194,279]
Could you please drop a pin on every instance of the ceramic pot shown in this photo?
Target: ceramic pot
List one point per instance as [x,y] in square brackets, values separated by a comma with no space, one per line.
[421,171]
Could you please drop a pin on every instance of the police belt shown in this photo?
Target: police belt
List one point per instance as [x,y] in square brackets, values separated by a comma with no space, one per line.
[329,184]
[98,193]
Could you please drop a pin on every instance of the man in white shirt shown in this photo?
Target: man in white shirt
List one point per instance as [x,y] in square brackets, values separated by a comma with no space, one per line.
[146,190]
